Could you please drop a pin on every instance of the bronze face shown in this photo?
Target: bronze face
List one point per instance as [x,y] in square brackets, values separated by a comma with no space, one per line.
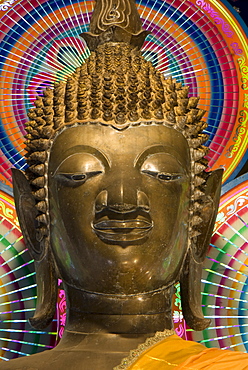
[119,207]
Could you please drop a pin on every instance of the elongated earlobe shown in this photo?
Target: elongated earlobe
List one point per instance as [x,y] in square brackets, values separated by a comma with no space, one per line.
[44,264]
[190,279]
[190,286]
[46,292]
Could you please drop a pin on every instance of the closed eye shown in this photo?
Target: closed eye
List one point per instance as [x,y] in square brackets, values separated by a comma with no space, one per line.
[75,179]
[163,176]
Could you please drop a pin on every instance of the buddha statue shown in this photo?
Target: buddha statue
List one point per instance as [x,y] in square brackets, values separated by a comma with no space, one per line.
[117,203]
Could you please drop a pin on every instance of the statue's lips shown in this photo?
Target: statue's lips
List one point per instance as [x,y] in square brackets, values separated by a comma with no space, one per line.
[119,230]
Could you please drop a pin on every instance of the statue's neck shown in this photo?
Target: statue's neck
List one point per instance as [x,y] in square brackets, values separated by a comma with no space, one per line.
[102,329]
[118,314]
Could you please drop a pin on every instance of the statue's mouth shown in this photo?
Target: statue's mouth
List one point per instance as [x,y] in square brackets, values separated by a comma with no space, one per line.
[122,230]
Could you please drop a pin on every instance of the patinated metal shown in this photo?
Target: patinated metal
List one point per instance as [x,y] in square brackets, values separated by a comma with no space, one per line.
[116,200]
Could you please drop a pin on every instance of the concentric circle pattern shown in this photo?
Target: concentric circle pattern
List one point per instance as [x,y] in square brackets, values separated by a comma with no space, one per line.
[200,43]
[225,278]
[17,290]
[197,42]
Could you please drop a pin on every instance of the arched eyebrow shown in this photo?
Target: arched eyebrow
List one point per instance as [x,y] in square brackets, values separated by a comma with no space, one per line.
[139,160]
[77,149]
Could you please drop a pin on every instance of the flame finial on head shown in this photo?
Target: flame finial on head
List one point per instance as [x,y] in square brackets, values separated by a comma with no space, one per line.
[115,21]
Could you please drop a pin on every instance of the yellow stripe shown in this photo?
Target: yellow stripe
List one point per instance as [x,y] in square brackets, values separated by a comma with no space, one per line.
[235,25]
[7,200]
[238,155]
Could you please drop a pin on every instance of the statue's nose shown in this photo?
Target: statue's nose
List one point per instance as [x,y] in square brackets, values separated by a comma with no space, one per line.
[122,203]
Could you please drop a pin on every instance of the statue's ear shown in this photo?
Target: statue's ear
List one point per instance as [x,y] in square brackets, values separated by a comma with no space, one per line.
[47,291]
[26,211]
[190,279]
[208,214]
[44,264]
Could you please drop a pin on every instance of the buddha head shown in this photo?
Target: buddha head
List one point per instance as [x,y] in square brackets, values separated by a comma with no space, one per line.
[116,199]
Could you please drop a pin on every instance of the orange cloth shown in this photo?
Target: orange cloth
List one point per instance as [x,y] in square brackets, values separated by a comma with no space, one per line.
[178,354]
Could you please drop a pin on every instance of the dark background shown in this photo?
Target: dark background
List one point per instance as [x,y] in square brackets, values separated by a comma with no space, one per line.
[242,8]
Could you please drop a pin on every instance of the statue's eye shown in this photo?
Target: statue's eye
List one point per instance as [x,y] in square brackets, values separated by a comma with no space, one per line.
[75,179]
[78,177]
[163,167]
[78,168]
[168,177]
[163,176]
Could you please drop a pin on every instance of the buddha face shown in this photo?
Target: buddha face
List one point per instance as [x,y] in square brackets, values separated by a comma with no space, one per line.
[119,207]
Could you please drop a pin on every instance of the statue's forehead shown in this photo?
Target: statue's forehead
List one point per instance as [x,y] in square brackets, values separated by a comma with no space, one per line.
[132,140]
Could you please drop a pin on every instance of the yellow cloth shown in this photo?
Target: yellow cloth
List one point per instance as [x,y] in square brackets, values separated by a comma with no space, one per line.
[178,354]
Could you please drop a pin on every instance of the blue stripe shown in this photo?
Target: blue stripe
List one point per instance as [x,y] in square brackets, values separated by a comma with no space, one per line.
[10,151]
[212,63]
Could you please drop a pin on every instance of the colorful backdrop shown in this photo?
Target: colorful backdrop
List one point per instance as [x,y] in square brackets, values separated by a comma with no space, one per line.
[200,43]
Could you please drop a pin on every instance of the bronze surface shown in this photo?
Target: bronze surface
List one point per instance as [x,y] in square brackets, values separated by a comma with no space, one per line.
[116,200]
